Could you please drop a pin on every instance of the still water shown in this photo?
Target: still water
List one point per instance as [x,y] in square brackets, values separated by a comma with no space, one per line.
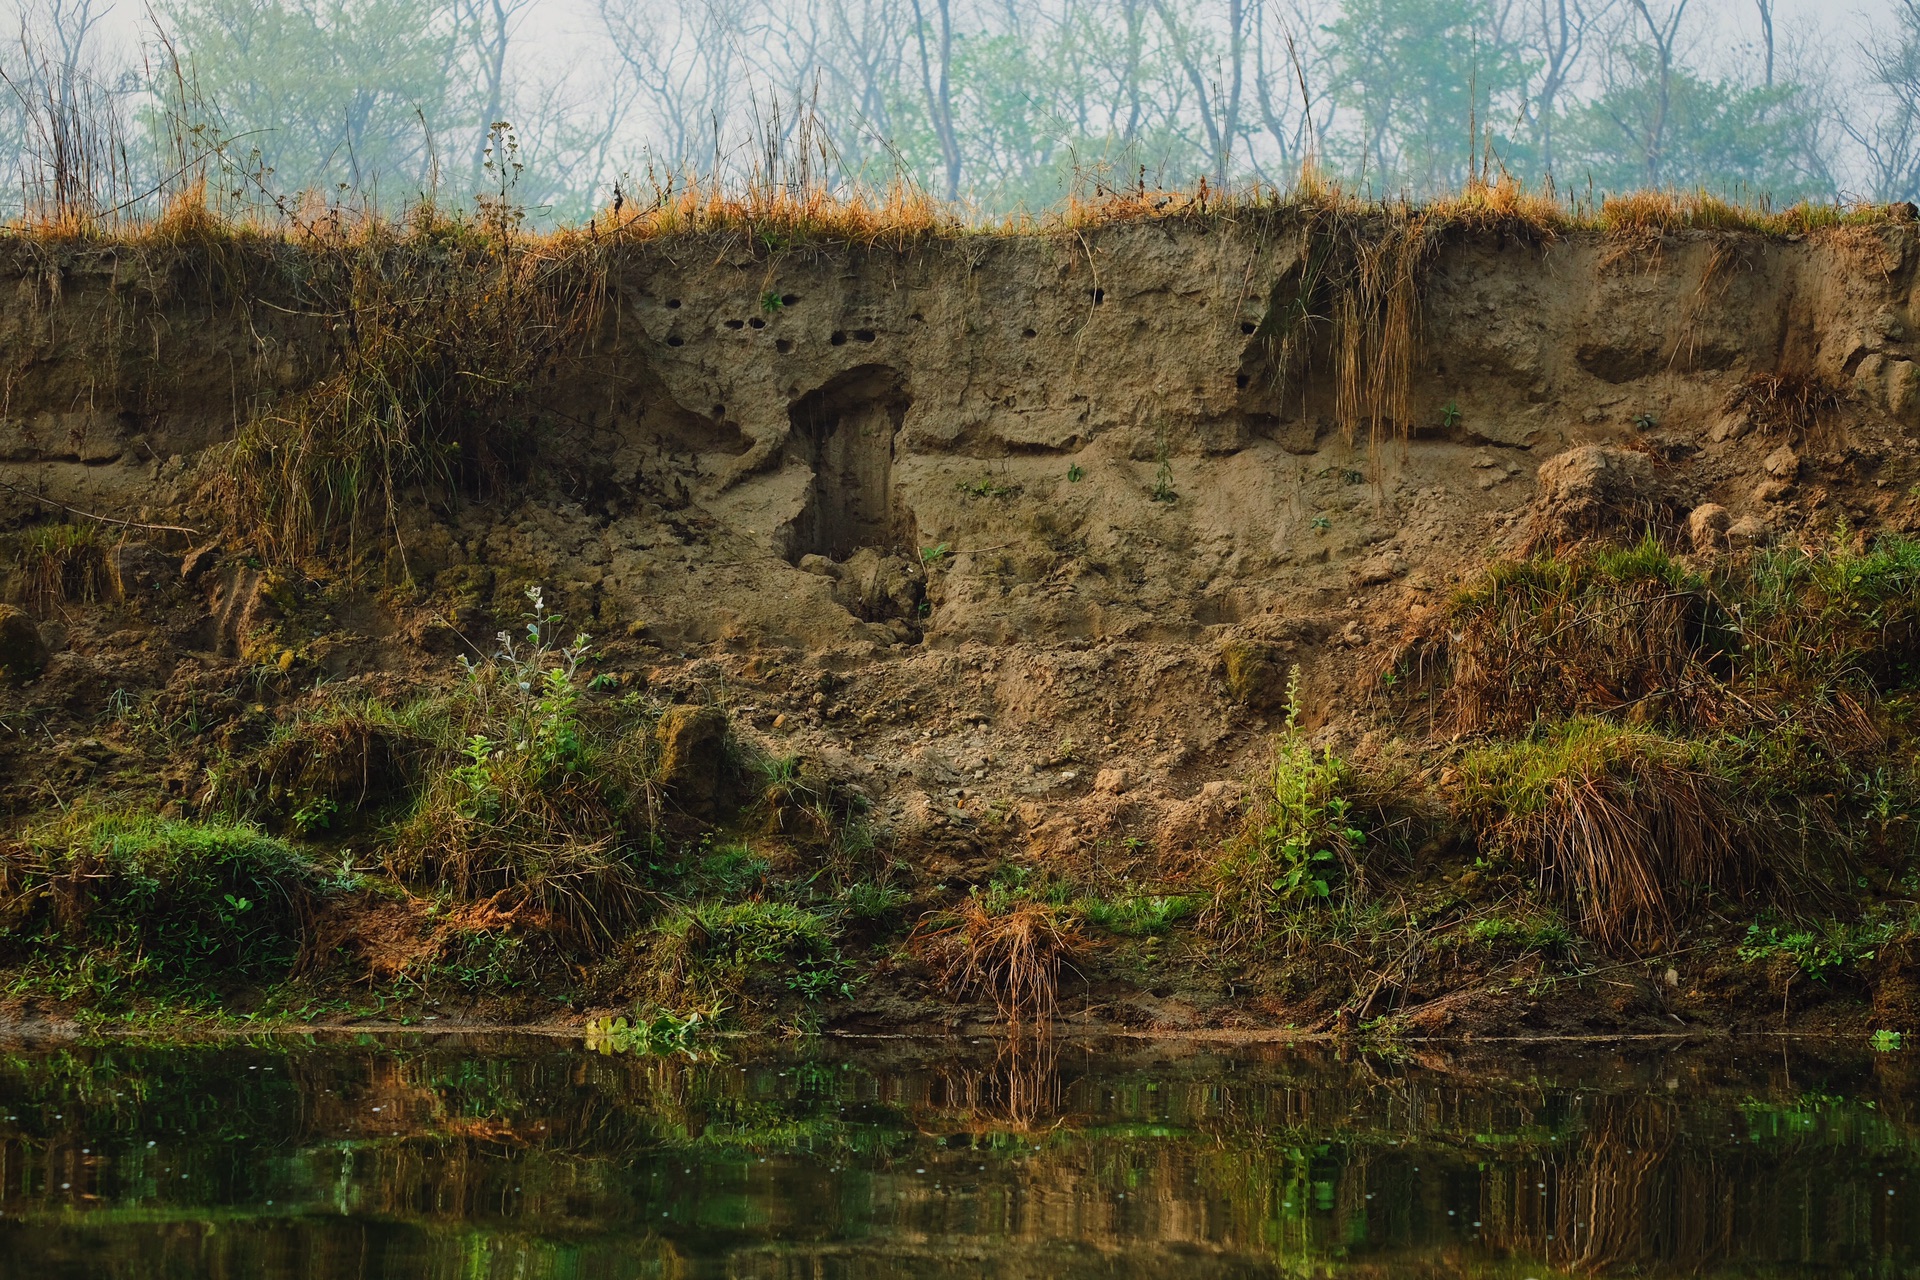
[530,1158]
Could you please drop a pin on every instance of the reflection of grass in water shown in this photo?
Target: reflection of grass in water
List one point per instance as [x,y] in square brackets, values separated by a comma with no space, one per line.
[1269,1160]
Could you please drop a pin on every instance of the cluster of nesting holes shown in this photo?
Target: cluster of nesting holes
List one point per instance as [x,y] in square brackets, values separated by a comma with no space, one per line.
[840,336]
[782,345]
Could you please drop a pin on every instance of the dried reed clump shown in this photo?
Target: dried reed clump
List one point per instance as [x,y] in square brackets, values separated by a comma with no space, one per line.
[1353,303]
[1809,639]
[52,564]
[1628,827]
[440,329]
[1609,632]
[1796,406]
[1009,951]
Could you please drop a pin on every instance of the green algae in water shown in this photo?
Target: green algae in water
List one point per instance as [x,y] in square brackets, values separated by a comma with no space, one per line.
[528,1158]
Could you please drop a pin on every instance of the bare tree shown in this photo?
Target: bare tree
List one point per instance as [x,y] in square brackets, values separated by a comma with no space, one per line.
[1218,103]
[1556,34]
[936,80]
[689,64]
[1663,35]
[1889,139]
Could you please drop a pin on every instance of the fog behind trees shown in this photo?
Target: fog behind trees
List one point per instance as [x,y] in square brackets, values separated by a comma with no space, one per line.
[995,105]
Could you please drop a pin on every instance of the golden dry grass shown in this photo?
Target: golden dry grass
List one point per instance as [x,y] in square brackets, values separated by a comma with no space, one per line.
[1009,953]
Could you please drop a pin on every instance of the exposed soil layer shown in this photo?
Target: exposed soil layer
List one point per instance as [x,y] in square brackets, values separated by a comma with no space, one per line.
[1015,540]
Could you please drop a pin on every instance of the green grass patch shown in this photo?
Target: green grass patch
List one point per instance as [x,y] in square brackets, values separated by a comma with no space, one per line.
[1137,915]
[111,907]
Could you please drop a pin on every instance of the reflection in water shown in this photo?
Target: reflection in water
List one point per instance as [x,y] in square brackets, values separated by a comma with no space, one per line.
[531,1158]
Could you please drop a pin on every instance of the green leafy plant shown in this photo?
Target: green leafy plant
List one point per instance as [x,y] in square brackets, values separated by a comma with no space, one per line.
[1163,476]
[1075,473]
[653,1031]
[1816,950]
[987,487]
[931,556]
[316,814]
[711,952]
[1885,1041]
[771,301]
[1299,839]
[1450,415]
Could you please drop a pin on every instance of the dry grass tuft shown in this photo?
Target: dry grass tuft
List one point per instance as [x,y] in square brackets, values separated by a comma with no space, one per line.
[1617,632]
[321,769]
[1007,951]
[1624,825]
[52,564]
[1810,639]
[1795,406]
[441,332]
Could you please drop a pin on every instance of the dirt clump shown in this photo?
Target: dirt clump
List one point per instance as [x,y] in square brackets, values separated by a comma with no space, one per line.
[23,654]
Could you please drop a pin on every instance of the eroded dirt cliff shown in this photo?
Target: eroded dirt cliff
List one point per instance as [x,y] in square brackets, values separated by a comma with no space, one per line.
[1016,538]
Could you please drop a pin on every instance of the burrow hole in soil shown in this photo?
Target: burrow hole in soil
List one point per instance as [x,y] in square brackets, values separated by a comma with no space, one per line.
[845,431]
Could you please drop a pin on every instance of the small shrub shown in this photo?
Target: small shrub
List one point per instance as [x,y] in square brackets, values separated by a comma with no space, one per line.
[652,1031]
[709,953]
[541,807]
[1813,636]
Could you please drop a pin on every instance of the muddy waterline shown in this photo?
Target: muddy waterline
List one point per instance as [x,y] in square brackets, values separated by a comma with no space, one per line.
[534,1158]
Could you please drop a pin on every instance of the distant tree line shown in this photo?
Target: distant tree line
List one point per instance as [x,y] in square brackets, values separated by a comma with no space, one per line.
[1000,104]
